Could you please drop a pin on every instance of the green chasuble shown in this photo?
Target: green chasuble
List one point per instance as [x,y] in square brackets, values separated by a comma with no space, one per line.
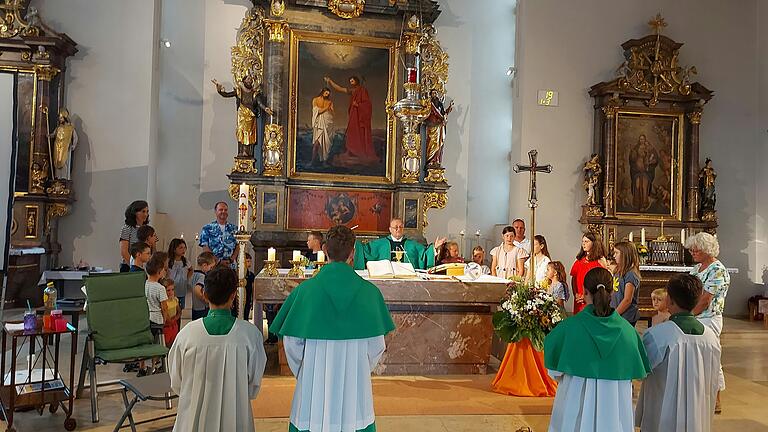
[589,346]
[336,304]
[688,323]
[420,256]
[218,322]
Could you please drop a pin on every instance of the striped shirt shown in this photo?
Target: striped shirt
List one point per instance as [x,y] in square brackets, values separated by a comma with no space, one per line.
[131,235]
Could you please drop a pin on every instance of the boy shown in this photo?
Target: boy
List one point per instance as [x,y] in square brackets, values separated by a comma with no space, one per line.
[205,262]
[659,300]
[333,328]
[147,234]
[140,254]
[258,314]
[216,364]
[679,394]
[157,299]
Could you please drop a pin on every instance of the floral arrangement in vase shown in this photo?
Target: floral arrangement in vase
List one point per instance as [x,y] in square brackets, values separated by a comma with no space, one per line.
[526,312]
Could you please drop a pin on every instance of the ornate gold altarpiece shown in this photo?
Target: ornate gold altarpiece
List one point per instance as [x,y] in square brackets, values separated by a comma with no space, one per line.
[36,55]
[282,45]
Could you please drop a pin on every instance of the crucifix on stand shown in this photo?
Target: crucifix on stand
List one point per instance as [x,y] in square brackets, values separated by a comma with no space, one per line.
[533,202]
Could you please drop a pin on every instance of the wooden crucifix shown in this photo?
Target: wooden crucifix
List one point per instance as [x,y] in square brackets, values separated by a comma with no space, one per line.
[533,201]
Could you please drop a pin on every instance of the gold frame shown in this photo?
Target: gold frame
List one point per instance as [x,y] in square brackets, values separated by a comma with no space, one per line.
[336,188]
[676,199]
[33,228]
[392,46]
[277,210]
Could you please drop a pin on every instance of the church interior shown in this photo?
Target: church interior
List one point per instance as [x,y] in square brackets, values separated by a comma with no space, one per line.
[392,215]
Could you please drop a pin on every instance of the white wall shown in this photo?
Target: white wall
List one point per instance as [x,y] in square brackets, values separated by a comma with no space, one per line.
[571,48]
[110,94]
[761,161]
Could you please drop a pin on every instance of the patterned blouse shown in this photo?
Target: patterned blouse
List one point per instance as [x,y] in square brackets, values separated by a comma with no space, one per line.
[222,243]
[716,281]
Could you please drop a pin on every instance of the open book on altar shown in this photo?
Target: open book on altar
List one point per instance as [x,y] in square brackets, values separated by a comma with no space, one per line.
[390,269]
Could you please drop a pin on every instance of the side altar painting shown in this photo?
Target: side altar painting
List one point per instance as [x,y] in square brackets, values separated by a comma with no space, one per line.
[340,87]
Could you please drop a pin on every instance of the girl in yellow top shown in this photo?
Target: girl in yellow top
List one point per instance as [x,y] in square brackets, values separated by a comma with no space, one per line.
[171,327]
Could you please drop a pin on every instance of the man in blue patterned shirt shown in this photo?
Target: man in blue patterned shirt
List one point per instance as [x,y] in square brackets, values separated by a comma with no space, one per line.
[218,237]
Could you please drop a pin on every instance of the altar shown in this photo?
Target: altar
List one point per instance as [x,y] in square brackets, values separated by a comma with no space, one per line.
[442,326]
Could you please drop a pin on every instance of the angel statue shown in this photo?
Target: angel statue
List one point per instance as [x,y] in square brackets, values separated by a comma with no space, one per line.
[707,177]
[249,105]
[592,171]
[435,123]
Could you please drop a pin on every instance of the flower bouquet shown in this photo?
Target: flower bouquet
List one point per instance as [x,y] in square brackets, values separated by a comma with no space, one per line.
[642,252]
[526,312]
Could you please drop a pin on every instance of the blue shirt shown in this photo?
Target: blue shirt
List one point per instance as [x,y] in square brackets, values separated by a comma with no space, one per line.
[632,314]
[222,243]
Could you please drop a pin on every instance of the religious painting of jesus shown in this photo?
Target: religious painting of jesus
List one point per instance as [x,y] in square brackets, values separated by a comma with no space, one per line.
[647,159]
[338,125]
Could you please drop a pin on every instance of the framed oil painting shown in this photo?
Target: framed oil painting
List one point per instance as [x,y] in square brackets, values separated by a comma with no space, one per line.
[648,152]
[411,213]
[312,208]
[338,125]
[269,208]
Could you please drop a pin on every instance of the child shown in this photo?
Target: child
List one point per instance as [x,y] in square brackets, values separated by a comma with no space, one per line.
[679,395]
[171,327]
[557,287]
[140,255]
[659,299]
[205,262]
[147,234]
[594,355]
[216,364]
[179,269]
[333,328]
[591,255]
[157,299]
[626,290]
[478,256]
[258,313]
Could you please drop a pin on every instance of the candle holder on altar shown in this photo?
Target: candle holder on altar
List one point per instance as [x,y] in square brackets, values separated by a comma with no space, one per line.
[296,271]
[270,269]
[318,266]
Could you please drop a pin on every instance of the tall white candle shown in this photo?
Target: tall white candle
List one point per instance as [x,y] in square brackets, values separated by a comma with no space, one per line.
[320,256]
[642,236]
[241,265]
[242,208]
[271,254]
[631,236]
[682,236]
[296,255]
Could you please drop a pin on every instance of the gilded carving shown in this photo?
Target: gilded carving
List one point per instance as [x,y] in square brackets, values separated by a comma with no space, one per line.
[55,210]
[611,238]
[276,30]
[595,229]
[346,8]
[434,63]
[248,53]
[31,217]
[653,67]
[411,157]
[12,23]
[411,42]
[274,159]
[39,174]
[433,200]
[277,8]
[435,175]
[59,188]
[46,72]
[611,108]
[695,117]
[244,166]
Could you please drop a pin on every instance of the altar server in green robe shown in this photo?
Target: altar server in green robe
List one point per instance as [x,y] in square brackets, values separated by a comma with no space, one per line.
[333,328]
[420,256]
[594,356]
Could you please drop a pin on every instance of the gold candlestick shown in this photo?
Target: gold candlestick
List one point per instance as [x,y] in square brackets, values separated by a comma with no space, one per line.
[318,266]
[296,271]
[270,269]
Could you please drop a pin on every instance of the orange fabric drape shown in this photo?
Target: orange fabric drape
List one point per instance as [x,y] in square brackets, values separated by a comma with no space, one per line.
[522,372]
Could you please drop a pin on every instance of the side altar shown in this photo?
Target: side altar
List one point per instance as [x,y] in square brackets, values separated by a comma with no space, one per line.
[340,118]
[442,326]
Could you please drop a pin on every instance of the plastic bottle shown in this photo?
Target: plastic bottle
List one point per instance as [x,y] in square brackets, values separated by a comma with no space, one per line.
[49,298]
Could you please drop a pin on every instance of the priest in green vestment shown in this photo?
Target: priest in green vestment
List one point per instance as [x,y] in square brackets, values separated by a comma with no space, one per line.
[420,256]
[333,328]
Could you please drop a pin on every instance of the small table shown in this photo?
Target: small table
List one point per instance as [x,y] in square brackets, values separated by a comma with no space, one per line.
[10,399]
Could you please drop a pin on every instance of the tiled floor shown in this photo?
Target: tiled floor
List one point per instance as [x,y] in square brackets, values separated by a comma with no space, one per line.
[745,358]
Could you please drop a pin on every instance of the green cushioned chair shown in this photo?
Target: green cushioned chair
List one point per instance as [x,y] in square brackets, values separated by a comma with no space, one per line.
[118,327]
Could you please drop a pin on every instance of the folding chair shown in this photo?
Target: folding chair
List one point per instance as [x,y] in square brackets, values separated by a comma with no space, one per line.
[118,327]
[153,387]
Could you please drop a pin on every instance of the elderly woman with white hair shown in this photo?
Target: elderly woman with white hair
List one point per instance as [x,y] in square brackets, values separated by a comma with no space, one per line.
[704,249]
